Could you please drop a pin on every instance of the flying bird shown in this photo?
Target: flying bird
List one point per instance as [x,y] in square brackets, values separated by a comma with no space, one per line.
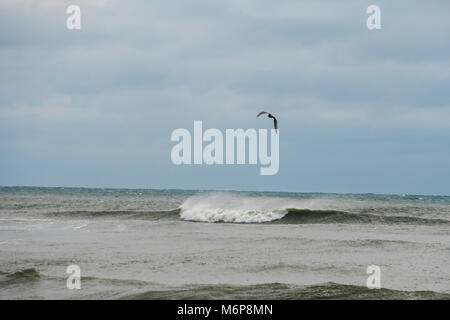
[269,115]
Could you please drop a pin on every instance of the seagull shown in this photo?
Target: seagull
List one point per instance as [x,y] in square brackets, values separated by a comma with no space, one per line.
[269,115]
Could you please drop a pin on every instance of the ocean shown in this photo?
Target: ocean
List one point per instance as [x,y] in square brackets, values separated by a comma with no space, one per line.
[178,244]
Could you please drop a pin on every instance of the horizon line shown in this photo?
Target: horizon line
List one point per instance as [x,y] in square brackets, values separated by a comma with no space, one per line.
[228,190]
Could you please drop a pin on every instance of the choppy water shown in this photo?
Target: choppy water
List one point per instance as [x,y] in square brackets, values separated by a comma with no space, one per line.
[169,244]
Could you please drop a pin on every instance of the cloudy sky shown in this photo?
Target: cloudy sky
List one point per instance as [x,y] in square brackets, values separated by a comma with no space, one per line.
[358,110]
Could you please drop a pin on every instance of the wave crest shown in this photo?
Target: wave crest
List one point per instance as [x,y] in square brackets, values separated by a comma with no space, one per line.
[298,216]
[219,207]
[235,208]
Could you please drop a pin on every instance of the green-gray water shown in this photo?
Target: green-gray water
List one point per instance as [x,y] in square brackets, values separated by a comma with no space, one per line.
[173,244]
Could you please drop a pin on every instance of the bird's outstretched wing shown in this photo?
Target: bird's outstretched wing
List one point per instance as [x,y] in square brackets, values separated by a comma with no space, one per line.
[262,112]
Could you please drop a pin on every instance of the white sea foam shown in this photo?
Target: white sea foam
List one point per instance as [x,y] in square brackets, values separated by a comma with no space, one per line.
[226,207]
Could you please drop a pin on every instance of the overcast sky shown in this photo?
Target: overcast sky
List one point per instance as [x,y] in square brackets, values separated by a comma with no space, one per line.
[358,110]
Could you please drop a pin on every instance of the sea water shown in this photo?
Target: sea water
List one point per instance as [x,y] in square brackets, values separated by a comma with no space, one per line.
[178,244]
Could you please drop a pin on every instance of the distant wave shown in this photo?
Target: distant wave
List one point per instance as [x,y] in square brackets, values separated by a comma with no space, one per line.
[280,291]
[294,216]
[130,214]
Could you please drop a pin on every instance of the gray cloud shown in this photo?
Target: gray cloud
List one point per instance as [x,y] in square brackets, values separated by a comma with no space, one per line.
[133,73]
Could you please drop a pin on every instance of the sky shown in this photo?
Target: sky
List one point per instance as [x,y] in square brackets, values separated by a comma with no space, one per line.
[359,110]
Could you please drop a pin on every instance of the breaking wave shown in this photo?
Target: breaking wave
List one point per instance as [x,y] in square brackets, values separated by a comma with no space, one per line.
[220,207]
[223,207]
[241,208]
